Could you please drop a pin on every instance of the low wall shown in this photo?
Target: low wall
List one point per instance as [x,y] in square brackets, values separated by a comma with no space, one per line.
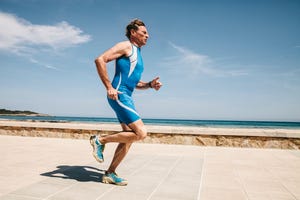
[163,138]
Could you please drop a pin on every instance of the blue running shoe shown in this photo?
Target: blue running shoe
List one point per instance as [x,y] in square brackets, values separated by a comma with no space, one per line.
[98,148]
[113,178]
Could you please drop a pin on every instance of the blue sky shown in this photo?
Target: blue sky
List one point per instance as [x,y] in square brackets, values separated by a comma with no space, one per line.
[232,60]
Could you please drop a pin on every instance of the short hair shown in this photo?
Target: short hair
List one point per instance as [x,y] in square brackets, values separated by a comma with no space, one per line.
[134,24]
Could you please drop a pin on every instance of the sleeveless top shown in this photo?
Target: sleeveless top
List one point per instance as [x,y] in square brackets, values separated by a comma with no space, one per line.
[128,71]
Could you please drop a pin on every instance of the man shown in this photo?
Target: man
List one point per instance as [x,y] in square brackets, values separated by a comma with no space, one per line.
[129,68]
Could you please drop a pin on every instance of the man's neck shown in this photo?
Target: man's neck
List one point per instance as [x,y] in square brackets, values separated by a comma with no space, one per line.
[135,43]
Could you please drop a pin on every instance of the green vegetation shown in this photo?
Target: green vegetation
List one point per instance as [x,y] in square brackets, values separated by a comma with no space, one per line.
[16,112]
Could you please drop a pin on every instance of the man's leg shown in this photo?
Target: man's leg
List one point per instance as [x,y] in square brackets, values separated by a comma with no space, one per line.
[120,152]
[139,131]
[133,132]
[137,128]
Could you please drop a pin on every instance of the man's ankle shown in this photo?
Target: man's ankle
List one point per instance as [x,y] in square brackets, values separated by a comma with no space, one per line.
[99,140]
[110,171]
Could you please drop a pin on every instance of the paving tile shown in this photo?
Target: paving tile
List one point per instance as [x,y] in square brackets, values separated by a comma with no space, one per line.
[177,190]
[40,190]
[80,191]
[221,181]
[256,173]
[293,186]
[264,186]
[182,181]
[211,193]
[17,197]
[270,196]
[144,180]
[220,170]
[286,173]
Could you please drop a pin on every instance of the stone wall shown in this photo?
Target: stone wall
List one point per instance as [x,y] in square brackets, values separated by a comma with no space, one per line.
[225,140]
[162,138]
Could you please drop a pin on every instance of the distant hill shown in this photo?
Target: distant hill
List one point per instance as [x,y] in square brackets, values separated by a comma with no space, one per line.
[17,112]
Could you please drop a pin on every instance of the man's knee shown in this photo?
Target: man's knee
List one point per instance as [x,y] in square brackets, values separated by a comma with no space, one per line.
[139,129]
[141,133]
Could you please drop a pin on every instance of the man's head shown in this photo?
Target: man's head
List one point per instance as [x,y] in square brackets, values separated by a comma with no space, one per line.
[136,32]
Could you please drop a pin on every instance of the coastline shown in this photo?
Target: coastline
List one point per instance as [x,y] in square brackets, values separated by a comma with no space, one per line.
[184,135]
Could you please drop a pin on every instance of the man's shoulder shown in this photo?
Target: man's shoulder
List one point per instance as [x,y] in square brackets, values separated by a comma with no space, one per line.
[125,47]
[124,44]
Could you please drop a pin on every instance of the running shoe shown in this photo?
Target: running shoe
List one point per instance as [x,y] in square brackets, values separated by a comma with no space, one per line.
[98,148]
[113,178]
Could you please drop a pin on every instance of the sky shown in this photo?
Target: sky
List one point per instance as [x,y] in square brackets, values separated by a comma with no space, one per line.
[217,60]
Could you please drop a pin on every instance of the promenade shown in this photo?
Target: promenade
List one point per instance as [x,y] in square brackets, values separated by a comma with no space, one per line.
[36,168]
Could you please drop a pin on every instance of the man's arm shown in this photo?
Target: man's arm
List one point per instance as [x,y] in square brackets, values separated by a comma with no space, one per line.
[120,49]
[143,85]
[155,84]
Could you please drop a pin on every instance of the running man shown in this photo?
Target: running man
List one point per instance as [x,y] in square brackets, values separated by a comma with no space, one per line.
[128,72]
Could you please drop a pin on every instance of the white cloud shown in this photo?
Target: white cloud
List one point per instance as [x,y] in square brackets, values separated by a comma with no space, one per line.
[20,36]
[197,63]
[32,60]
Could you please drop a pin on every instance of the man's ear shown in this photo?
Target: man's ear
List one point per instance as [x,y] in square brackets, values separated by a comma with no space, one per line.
[132,31]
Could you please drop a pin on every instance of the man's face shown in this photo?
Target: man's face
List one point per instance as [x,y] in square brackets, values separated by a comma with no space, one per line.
[141,35]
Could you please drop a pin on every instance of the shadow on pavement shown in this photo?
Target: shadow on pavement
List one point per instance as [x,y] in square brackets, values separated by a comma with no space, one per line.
[79,173]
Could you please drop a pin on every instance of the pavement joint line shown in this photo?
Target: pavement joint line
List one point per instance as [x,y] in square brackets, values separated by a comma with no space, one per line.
[145,165]
[62,190]
[283,185]
[242,183]
[280,179]
[134,172]
[291,193]
[104,193]
[201,177]
[164,178]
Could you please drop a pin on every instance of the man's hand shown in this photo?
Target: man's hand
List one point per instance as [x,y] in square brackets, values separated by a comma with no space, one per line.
[156,84]
[113,93]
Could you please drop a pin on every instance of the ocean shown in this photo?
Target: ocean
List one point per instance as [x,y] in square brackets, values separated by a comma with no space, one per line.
[169,122]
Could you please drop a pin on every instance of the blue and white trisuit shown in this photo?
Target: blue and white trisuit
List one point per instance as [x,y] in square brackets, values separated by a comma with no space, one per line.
[128,73]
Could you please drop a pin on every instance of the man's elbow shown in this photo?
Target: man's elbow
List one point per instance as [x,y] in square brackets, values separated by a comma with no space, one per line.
[98,60]
[101,60]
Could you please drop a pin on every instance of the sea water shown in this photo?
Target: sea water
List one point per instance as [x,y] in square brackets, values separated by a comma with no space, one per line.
[169,122]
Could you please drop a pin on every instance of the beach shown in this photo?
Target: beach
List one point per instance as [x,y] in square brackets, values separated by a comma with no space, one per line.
[189,135]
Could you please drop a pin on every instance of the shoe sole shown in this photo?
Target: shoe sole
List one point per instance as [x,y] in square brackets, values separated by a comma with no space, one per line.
[108,180]
[92,142]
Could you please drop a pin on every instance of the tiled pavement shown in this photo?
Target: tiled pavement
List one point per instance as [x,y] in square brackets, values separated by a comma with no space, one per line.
[62,169]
